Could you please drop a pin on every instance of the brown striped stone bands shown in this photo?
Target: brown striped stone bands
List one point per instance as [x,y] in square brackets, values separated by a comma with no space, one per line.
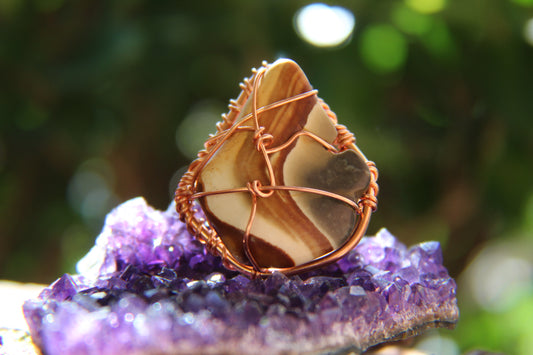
[290,227]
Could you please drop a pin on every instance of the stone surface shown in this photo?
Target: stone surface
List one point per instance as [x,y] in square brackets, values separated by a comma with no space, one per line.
[16,342]
[147,287]
[289,227]
[14,336]
[12,296]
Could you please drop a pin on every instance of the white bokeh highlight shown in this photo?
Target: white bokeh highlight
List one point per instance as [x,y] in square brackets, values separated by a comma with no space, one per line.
[528,31]
[324,26]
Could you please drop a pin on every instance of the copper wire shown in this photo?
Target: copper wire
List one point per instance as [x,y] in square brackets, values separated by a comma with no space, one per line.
[186,192]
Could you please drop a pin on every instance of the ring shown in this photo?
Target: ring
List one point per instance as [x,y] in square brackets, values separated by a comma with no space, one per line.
[281,186]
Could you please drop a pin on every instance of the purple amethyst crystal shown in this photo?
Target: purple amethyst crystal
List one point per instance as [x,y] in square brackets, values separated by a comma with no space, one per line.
[148,287]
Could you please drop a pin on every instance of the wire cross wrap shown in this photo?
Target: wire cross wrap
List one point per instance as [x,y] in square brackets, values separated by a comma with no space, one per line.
[187,192]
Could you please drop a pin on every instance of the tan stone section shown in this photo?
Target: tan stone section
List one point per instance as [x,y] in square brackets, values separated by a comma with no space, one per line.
[287,225]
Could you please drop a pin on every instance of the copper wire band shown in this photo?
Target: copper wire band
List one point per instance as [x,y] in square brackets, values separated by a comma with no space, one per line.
[186,192]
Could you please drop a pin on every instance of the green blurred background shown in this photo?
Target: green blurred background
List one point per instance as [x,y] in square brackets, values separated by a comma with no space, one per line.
[98,100]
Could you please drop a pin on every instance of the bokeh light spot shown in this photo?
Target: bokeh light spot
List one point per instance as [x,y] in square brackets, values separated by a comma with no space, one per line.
[196,127]
[383,48]
[410,21]
[10,7]
[437,344]
[528,31]
[523,2]
[495,263]
[90,190]
[426,6]
[324,26]
[438,40]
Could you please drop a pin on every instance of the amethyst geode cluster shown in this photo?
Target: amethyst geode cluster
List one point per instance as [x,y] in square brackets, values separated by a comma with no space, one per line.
[148,287]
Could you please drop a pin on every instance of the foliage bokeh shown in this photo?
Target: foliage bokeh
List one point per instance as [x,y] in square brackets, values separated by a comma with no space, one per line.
[97,97]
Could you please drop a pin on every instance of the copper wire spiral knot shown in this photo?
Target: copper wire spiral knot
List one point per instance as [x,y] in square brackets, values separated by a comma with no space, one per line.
[186,191]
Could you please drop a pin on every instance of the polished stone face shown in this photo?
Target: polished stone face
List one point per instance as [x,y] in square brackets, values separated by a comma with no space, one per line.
[289,227]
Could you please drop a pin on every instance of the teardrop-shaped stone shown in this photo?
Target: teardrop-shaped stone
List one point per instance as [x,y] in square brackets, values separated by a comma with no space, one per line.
[289,227]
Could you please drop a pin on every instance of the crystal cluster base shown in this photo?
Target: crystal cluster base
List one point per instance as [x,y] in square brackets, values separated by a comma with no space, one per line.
[148,287]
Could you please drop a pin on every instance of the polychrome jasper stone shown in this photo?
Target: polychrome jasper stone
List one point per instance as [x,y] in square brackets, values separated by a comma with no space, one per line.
[284,143]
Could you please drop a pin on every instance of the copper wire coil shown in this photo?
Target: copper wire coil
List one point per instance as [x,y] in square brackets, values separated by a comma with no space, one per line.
[186,192]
